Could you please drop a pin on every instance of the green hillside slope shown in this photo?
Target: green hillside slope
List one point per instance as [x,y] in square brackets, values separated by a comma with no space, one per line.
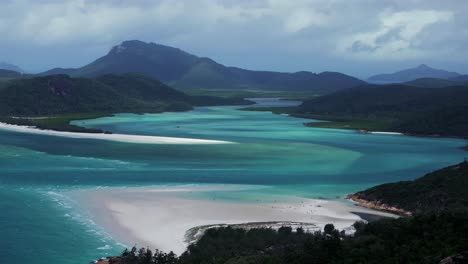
[186,71]
[440,190]
[399,107]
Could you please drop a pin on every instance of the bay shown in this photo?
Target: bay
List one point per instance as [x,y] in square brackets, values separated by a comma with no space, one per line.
[273,154]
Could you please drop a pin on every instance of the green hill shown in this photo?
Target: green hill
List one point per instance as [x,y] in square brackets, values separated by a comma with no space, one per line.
[10,67]
[9,74]
[51,102]
[397,108]
[61,94]
[437,191]
[460,78]
[432,83]
[183,70]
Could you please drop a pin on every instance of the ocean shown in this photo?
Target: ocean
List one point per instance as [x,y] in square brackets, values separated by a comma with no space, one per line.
[39,223]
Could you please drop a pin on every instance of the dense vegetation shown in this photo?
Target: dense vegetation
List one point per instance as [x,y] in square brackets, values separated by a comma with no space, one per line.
[57,123]
[419,239]
[251,93]
[9,74]
[402,108]
[461,78]
[331,121]
[61,94]
[51,102]
[433,83]
[436,191]
[183,70]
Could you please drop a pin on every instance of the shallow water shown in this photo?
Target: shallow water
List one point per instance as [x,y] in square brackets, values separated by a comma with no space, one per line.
[274,152]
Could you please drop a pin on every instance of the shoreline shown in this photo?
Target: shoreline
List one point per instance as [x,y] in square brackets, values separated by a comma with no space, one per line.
[126,138]
[193,234]
[359,129]
[364,131]
[170,218]
[377,205]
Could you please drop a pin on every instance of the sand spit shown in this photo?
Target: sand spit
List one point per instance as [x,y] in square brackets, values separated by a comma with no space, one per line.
[111,137]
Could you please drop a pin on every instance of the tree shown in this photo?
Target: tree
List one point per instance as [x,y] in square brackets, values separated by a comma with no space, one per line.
[328,229]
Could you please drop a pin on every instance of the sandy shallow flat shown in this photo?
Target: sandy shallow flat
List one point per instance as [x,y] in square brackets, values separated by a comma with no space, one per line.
[160,217]
[111,137]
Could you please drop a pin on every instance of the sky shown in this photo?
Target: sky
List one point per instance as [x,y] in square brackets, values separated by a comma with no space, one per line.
[357,37]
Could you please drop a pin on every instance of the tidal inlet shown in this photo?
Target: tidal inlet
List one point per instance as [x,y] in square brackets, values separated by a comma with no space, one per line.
[212,132]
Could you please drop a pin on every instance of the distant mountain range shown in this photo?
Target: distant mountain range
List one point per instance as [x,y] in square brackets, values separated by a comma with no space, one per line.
[460,78]
[422,71]
[9,74]
[180,69]
[11,67]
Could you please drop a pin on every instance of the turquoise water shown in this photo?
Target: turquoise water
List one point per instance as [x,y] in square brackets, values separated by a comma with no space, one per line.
[39,224]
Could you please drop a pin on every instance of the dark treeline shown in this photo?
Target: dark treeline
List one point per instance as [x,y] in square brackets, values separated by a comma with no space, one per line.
[424,238]
[61,94]
[406,109]
[436,191]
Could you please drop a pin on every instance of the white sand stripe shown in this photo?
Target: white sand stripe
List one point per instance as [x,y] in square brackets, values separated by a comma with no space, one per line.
[111,137]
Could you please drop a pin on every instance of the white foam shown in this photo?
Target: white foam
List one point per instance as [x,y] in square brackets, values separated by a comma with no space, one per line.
[106,247]
[72,211]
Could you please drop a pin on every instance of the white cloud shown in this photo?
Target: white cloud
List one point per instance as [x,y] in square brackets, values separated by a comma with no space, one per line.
[62,22]
[48,22]
[303,18]
[396,36]
[233,30]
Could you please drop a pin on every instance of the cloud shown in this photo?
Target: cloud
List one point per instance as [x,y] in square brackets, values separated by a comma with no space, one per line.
[79,20]
[260,34]
[49,22]
[303,18]
[397,35]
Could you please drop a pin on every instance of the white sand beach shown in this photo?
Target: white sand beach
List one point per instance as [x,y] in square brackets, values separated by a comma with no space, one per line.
[159,218]
[112,137]
[385,133]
